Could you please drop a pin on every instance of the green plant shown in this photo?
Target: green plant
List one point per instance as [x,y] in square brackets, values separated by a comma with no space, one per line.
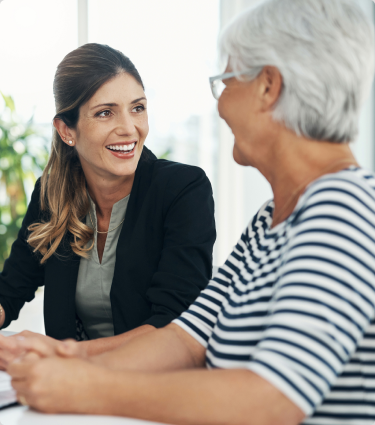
[166,154]
[23,155]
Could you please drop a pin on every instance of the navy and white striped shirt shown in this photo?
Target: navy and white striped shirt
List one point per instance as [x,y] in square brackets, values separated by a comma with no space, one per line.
[295,304]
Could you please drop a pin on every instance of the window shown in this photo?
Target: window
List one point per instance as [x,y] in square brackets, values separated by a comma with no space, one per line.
[35,36]
[173,45]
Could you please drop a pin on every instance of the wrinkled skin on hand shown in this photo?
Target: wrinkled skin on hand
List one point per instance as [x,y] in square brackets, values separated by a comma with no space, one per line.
[15,346]
[54,385]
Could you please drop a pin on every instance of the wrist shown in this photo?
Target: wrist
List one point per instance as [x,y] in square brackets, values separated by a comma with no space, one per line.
[94,383]
[85,349]
[109,389]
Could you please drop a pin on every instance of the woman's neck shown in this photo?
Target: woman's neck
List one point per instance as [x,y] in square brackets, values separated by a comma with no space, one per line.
[294,162]
[105,192]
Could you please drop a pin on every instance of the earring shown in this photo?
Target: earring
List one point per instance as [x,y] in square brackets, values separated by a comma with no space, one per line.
[70,142]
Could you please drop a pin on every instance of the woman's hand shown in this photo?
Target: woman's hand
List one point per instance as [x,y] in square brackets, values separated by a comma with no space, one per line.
[49,347]
[11,347]
[15,346]
[55,385]
[9,350]
[237,396]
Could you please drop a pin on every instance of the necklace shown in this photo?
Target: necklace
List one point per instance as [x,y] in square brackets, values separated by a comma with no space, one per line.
[298,192]
[109,230]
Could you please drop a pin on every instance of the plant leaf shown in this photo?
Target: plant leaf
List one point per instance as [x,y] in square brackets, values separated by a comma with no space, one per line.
[9,102]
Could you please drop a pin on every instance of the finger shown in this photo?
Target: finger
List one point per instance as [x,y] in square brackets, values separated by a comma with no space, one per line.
[22,399]
[30,357]
[20,385]
[6,356]
[9,343]
[19,369]
[38,346]
[27,334]
[5,361]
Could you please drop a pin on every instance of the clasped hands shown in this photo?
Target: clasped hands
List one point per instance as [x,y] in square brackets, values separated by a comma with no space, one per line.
[43,370]
[20,345]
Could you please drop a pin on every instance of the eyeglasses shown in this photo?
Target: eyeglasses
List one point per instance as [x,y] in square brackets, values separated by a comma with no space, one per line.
[217,85]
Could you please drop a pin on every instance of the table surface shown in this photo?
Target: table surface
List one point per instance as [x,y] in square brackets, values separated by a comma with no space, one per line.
[20,415]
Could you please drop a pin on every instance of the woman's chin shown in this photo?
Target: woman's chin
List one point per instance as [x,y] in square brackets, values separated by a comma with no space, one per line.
[239,157]
[124,171]
[125,167]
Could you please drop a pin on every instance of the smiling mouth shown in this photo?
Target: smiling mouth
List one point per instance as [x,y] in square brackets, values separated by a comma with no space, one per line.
[122,148]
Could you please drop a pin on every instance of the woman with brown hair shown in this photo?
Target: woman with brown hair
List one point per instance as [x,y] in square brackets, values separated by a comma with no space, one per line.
[284,333]
[121,241]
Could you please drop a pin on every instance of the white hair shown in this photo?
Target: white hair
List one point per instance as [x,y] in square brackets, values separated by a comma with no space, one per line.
[324,50]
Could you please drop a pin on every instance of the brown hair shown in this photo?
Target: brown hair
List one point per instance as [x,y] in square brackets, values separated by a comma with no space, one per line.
[63,185]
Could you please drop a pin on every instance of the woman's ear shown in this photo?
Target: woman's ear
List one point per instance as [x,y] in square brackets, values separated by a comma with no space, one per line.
[271,83]
[64,131]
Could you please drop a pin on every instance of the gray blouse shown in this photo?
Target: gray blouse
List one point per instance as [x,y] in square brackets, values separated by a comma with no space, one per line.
[93,304]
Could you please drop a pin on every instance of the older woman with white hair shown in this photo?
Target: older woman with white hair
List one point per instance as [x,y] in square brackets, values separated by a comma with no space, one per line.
[284,333]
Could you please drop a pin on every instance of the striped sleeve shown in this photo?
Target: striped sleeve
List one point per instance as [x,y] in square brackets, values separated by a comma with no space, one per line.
[200,319]
[325,293]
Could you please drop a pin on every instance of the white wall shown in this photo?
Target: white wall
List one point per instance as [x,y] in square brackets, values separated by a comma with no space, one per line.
[363,147]
[83,21]
[241,191]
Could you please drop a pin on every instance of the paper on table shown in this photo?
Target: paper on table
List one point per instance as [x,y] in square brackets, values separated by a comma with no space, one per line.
[7,393]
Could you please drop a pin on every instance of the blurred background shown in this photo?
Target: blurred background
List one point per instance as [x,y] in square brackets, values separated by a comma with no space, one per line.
[173,43]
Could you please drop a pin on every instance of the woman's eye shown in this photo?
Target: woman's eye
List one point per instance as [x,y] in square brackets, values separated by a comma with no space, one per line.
[105,113]
[139,108]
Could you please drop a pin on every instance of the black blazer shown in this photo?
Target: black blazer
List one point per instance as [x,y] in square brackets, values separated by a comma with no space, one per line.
[163,256]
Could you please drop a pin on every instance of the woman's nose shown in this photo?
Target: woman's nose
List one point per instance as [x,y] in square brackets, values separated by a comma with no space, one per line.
[126,125]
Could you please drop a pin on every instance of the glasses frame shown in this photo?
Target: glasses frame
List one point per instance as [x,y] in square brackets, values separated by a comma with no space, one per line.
[221,77]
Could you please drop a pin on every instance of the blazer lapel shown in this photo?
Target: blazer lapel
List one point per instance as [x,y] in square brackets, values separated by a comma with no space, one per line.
[142,181]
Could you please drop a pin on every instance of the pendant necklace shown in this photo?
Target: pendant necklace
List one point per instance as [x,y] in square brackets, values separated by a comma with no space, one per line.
[109,230]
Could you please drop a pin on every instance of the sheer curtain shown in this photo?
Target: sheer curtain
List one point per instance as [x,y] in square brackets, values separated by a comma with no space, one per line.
[240,190]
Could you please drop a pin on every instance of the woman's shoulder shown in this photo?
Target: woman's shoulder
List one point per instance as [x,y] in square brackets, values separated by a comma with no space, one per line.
[177,178]
[171,179]
[162,171]
[348,193]
[35,196]
[166,168]
[354,181]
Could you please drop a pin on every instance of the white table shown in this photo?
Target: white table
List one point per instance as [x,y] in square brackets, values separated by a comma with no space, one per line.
[21,415]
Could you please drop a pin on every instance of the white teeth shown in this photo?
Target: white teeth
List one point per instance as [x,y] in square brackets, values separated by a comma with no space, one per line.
[124,148]
[129,147]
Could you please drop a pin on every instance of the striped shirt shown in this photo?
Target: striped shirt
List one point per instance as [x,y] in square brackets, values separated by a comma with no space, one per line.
[295,304]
